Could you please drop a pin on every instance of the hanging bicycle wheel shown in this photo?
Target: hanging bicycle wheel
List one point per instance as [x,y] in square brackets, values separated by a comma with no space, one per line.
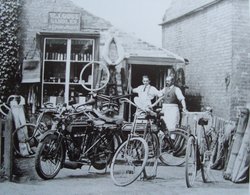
[150,170]
[94,76]
[173,148]
[49,157]
[191,162]
[129,161]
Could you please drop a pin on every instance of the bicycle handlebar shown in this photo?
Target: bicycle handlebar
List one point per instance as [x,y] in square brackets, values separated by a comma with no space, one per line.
[109,97]
[146,110]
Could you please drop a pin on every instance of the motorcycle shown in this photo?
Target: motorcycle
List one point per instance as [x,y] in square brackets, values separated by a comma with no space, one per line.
[78,136]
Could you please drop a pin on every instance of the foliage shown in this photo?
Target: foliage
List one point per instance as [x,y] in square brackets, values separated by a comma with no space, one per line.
[9,47]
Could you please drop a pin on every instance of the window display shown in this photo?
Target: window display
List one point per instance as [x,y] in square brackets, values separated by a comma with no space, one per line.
[63,60]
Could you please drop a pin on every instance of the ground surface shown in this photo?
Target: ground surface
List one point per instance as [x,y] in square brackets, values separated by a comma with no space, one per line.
[170,180]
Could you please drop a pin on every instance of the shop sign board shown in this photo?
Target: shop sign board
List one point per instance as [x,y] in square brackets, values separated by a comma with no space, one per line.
[64,21]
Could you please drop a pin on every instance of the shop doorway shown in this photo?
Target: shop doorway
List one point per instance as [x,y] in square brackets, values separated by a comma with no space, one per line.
[156,74]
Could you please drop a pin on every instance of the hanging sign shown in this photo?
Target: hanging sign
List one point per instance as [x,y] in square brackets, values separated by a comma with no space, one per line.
[31,71]
[113,53]
[64,21]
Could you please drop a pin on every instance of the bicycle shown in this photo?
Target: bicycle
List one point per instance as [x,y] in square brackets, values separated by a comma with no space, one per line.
[139,153]
[35,131]
[198,154]
[172,143]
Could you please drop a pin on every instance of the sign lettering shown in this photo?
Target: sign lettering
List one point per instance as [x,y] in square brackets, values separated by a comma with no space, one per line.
[64,21]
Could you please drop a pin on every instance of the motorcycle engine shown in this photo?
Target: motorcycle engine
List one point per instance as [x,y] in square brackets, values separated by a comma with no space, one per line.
[78,137]
[74,152]
[77,134]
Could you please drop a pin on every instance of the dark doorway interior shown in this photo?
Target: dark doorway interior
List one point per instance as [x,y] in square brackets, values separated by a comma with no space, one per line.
[139,70]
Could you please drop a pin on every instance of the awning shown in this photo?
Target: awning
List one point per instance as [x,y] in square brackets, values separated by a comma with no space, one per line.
[145,60]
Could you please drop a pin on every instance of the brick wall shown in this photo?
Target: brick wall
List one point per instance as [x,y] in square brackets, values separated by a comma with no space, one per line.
[241,55]
[210,40]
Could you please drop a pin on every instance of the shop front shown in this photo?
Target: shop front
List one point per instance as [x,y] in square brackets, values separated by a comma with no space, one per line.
[66,52]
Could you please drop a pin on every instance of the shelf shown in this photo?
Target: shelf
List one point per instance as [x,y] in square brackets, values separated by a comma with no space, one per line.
[79,83]
[74,61]
[55,60]
[54,83]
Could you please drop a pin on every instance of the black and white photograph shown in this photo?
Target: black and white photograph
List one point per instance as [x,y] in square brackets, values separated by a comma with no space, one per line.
[124,97]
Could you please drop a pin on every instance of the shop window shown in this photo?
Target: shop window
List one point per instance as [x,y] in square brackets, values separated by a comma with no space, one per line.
[63,60]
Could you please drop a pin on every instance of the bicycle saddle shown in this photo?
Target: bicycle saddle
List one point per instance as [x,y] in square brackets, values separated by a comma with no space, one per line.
[114,120]
[203,121]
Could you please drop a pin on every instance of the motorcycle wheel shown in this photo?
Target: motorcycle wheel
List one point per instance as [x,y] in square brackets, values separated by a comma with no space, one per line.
[49,157]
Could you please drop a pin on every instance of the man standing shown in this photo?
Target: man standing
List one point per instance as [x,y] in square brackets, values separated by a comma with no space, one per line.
[171,95]
[146,93]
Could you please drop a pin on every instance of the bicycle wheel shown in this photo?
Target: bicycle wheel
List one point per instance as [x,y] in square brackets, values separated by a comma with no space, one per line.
[150,170]
[191,162]
[94,69]
[129,161]
[49,157]
[25,134]
[173,148]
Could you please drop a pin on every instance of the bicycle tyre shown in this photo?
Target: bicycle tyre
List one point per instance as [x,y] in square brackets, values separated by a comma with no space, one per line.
[174,156]
[49,151]
[27,136]
[191,162]
[85,85]
[150,170]
[129,161]
[206,170]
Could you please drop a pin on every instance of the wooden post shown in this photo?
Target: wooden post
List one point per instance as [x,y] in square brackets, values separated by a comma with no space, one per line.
[242,161]
[237,140]
[8,147]
[1,123]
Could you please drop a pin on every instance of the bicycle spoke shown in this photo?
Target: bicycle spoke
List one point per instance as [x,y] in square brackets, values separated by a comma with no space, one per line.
[49,158]
[150,171]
